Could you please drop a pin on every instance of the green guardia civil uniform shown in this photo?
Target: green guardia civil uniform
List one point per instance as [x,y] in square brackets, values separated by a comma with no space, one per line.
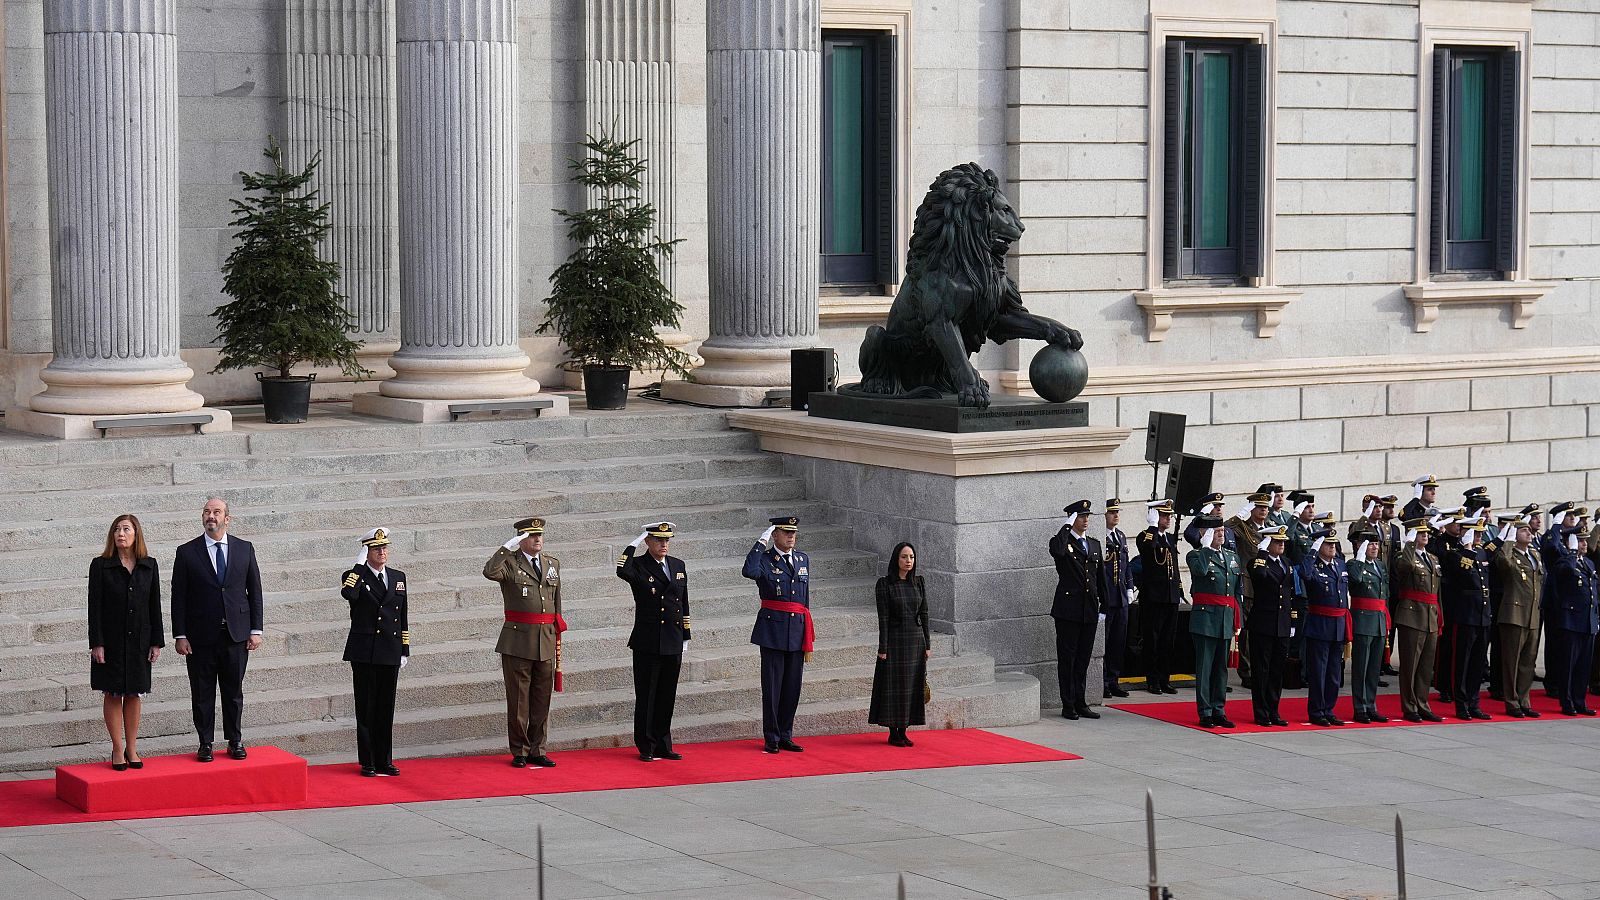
[1215,587]
[1369,601]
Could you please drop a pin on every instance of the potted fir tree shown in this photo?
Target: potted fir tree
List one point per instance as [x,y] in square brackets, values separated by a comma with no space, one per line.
[607,299]
[286,306]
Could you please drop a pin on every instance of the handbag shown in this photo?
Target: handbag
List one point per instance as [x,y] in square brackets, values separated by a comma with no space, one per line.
[927,692]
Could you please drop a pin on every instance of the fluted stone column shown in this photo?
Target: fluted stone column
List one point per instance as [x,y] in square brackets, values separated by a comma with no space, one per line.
[763,89]
[457,148]
[111,119]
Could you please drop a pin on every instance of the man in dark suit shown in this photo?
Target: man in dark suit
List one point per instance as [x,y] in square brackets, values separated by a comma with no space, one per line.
[784,630]
[1116,589]
[1076,609]
[1272,620]
[660,586]
[216,621]
[1160,592]
[377,649]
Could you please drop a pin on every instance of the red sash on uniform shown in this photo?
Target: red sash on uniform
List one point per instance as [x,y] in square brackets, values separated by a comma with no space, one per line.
[1335,612]
[530,618]
[1230,602]
[1373,604]
[1425,598]
[790,606]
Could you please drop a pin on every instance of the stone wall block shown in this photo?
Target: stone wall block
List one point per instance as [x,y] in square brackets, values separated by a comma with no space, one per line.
[1468,428]
[1406,397]
[1441,462]
[1574,455]
[1297,438]
[1549,423]
[1279,404]
[1516,392]
[1510,459]
[1343,401]
[1385,433]
[1574,388]
[1549,488]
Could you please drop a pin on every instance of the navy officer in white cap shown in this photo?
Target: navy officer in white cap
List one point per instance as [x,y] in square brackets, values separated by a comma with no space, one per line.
[660,585]
[378,648]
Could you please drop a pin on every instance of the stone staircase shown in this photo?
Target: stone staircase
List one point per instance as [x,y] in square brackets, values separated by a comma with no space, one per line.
[448,494]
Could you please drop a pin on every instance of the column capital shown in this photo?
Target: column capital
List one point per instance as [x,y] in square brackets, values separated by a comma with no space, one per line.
[126,16]
[454,20]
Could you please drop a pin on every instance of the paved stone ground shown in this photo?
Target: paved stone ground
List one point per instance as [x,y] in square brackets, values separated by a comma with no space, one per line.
[1491,810]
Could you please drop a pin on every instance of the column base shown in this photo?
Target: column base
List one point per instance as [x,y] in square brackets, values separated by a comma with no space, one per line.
[115,392]
[429,411]
[459,377]
[77,427]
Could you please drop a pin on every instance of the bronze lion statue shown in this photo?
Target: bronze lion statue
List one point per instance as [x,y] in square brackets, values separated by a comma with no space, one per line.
[955,296]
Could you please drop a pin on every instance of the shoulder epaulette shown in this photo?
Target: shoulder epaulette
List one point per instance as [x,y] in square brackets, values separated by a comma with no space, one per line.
[1261,563]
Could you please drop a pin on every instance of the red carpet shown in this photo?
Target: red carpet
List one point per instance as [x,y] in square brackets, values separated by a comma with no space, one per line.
[35,803]
[1293,710]
[268,776]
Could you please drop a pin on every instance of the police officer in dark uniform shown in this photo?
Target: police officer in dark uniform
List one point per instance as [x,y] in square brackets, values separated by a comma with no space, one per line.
[1076,609]
[1572,610]
[1160,592]
[1272,618]
[1467,616]
[784,630]
[1116,586]
[1328,628]
[660,585]
[377,649]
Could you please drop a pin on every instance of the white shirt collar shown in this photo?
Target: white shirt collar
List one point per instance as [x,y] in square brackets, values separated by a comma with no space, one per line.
[212,542]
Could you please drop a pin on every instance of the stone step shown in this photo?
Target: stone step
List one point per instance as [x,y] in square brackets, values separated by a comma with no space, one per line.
[474,481]
[585,700]
[158,494]
[964,695]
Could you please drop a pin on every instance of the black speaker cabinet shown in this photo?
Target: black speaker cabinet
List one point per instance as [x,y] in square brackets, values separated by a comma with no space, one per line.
[1188,481]
[810,372]
[1163,436]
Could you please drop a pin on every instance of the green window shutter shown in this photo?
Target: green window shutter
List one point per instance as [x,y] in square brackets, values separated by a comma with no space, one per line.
[1172,158]
[1468,222]
[846,70]
[1214,74]
[1438,184]
[884,157]
[1507,140]
[1252,167]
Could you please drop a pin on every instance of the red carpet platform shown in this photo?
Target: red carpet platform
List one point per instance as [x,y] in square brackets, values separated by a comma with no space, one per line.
[1293,710]
[269,776]
[35,802]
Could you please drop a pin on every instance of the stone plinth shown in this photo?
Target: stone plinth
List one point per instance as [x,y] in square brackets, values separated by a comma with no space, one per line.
[979,507]
[1004,414]
[70,427]
[431,411]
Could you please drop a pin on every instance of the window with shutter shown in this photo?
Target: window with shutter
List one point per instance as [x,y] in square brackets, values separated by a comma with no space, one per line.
[1214,160]
[1472,229]
[858,155]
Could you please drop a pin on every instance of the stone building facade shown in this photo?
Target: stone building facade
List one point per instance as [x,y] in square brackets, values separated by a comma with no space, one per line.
[1340,363]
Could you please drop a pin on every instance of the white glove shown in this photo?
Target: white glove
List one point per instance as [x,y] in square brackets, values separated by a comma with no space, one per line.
[512,544]
[1130,595]
[685,647]
[766,536]
[1291,631]
[638,541]
[1508,532]
[1102,618]
[404,660]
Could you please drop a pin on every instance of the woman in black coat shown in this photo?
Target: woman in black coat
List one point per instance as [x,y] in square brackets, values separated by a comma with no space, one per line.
[125,633]
[903,647]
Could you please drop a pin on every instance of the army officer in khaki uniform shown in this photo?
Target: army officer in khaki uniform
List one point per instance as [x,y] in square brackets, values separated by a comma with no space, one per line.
[530,640]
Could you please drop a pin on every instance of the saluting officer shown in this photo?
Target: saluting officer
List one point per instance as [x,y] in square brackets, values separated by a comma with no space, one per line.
[1574,609]
[1116,591]
[1214,577]
[1327,591]
[1302,530]
[1369,615]
[1210,506]
[1519,573]
[1245,530]
[1424,489]
[1276,513]
[1076,608]
[1417,620]
[530,639]
[784,630]
[660,635]
[1393,538]
[1160,592]
[1466,616]
[377,649]
[1272,619]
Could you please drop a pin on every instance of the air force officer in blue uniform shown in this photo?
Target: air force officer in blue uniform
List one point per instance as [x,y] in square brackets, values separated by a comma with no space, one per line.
[784,630]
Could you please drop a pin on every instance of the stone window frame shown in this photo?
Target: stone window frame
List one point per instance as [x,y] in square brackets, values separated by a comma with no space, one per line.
[1250,20]
[894,18]
[1505,25]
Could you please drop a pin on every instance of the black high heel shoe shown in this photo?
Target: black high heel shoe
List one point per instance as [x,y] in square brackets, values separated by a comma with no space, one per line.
[135,763]
[120,766]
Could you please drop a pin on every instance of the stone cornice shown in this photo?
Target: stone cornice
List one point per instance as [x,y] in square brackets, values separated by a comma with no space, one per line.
[1159,304]
[940,453]
[1247,374]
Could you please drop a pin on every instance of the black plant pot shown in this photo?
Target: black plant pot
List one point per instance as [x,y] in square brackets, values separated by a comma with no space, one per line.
[286,401]
[606,387]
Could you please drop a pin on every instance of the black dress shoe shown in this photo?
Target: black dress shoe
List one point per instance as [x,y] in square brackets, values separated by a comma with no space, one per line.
[1514,712]
[369,772]
[391,770]
[518,762]
[1446,697]
[1168,689]
[670,754]
[1279,723]
[1116,690]
[1568,711]
[1154,689]
[236,750]
[1321,721]
[1087,713]
[204,754]
[543,762]
[1585,711]
[791,746]
[1207,722]
[1464,714]
[645,757]
[1069,713]
[1360,718]
[1429,715]
[1388,670]
[769,748]
[1412,717]
[1377,719]
[1528,713]
[1223,722]
[1382,683]
[1480,714]
[896,740]
[1263,723]
[1334,721]
[906,741]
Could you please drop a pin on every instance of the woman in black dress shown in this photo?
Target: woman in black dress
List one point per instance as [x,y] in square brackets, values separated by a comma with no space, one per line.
[125,633]
[903,647]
